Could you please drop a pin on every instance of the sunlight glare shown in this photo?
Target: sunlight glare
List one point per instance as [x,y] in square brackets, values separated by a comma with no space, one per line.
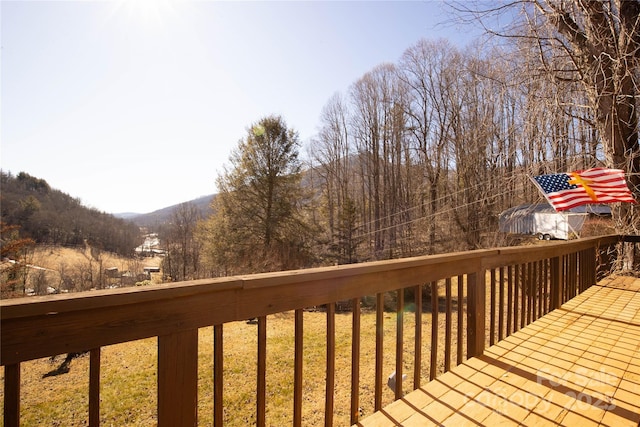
[147,13]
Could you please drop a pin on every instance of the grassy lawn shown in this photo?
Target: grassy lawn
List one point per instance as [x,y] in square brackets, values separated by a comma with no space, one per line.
[128,381]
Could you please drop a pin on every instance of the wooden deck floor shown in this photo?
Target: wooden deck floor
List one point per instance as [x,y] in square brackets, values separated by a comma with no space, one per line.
[576,366]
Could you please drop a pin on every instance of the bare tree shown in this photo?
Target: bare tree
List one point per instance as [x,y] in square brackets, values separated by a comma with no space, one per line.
[597,45]
[85,274]
[183,248]
[333,153]
[427,70]
[379,127]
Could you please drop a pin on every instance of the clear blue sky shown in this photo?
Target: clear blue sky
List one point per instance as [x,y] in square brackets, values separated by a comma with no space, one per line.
[135,105]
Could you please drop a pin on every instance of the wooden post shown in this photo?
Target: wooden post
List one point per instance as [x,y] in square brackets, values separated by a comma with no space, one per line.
[556,283]
[12,395]
[178,379]
[587,268]
[476,294]
[594,266]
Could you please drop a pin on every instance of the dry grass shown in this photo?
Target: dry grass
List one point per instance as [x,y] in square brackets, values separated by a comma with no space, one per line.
[52,257]
[80,269]
[128,376]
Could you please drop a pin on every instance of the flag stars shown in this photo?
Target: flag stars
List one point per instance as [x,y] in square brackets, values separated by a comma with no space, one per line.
[555,182]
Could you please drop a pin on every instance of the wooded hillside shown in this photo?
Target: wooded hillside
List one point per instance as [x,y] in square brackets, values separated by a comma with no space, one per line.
[49,216]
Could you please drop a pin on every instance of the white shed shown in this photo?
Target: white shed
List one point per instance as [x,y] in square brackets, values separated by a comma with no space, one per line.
[542,220]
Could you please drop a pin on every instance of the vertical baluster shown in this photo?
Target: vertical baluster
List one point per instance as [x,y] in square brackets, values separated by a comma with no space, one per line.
[447,334]
[534,290]
[434,330]
[545,296]
[379,350]
[556,283]
[297,370]
[569,277]
[460,328]
[516,291]
[355,361]
[562,279]
[529,286]
[94,387]
[261,386]
[582,270]
[399,342]
[417,350]
[594,266]
[218,379]
[501,306]
[574,274]
[578,273]
[541,282]
[524,280]
[331,364]
[509,299]
[565,279]
[570,271]
[492,305]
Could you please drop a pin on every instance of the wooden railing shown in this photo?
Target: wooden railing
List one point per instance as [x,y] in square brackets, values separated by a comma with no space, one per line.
[500,290]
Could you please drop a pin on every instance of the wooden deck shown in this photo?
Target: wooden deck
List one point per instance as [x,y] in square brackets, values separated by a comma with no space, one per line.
[577,366]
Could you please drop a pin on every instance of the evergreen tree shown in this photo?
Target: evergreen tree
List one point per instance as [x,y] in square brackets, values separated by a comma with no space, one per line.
[258,222]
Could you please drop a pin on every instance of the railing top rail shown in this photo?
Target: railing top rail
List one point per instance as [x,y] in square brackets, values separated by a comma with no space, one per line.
[39,305]
[42,305]
[522,254]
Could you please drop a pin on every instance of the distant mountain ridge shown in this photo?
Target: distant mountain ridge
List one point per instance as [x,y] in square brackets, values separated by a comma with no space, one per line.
[162,216]
[126,215]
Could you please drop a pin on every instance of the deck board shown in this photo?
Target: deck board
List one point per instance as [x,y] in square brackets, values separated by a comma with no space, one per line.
[578,365]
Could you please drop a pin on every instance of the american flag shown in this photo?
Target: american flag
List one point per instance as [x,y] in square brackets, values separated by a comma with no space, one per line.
[598,185]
